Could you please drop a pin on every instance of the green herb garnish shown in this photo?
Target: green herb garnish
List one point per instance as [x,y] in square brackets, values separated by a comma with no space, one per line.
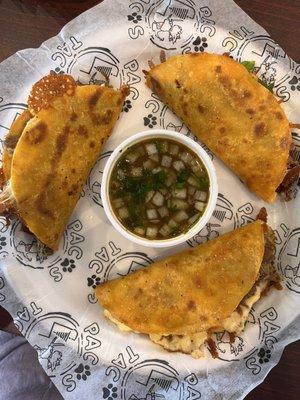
[159,146]
[136,215]
[158,180]
[138,186]
[269,87]
[249,65]
[190,211]
[183,175]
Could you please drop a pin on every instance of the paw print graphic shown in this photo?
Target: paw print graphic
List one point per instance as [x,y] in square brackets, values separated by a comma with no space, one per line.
[200,44]
[110,392]
[264,356]
[82,371]
[68,265]
[295,83]
[134,17]
[93,281]
[2,242]
[127,105]
[150,121]
[56,71]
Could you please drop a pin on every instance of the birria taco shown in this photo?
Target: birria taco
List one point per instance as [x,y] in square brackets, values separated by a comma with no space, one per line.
[238,118]
[50,150]
[181,300]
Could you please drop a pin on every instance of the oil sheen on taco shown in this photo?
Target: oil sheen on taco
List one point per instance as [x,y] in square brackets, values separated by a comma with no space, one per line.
[181,300]
[238,118]
[50,150]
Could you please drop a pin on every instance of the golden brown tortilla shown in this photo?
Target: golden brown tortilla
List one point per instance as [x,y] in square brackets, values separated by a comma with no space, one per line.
[231,112]
[57,147]
[190,292]
[11,140]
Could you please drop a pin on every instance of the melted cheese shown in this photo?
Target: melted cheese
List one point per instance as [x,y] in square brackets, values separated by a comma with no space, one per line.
[7,196]
[122,327]
[189,344]
[193,344]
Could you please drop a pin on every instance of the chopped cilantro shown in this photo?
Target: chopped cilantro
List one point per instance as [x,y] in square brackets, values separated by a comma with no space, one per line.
[179,185]
[136,215]
[202,182]
[249,65]
[269,87]
[183,175]
[138,186]
[159,146]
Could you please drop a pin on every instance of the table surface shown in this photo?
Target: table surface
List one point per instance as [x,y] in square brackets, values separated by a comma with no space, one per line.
[27,23]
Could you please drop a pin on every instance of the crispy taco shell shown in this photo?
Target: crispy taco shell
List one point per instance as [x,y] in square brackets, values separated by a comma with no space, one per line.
[190,292]
[51,149]
[231,112]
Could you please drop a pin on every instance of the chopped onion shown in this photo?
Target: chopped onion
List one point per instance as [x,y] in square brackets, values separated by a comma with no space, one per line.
[151,148]
[166,161]
[179,193]
[163,212]
[123,213]
[121,174]
[118,202]
[155,221]
[170,180]
[132,157]
[172,224]
[192,181]
[154,157]
[139,231]
[180,216]
[185,156]
[178,165]
[193,218]
[136,171]
[191,190]
[158,199]
[165,230]
[152,213]
[200,195]
[197,171]
[151,231]
[156,170]
[173,149]
[199,205]
[179,204]
[149,196]
[149,164]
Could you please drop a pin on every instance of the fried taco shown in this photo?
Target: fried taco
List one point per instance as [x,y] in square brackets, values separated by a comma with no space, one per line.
[181,300]
[50,150]
[238,118]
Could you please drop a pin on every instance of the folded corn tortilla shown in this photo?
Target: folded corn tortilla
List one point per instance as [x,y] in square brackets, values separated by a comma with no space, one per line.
[180,300]
[226,107]
[51,148]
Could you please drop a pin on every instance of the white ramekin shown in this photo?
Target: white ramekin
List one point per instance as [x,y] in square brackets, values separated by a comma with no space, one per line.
[180,138]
